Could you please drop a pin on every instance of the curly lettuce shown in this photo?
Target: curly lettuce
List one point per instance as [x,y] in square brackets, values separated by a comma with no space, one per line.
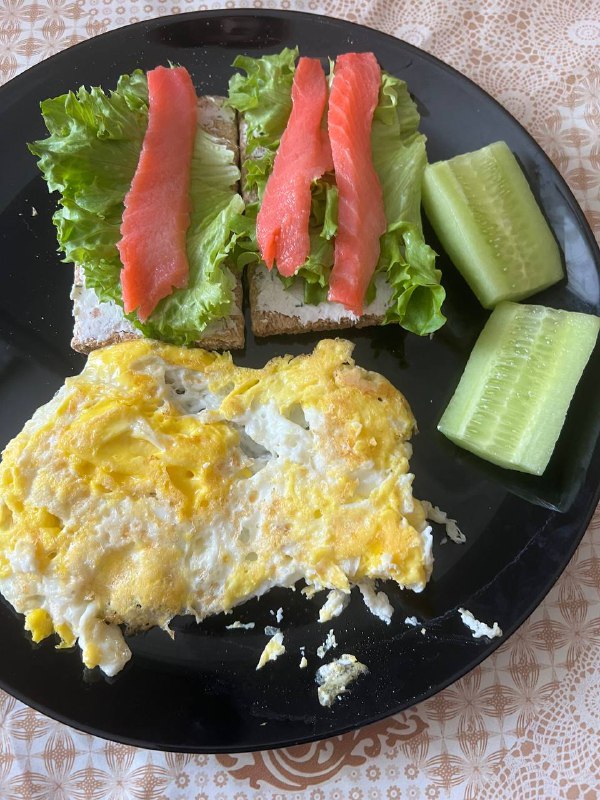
[90,157]
[399,158]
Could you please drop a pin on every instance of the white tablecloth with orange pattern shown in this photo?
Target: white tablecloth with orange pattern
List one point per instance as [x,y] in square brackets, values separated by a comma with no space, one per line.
[526,723]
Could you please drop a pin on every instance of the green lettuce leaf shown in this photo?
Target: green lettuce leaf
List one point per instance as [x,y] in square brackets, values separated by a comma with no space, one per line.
[398,151]
[264,96]
[90,158]
[324,208]
[417,293]
[399,158]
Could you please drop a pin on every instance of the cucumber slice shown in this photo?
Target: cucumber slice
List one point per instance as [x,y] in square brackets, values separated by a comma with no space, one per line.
[512,399]
[487,219]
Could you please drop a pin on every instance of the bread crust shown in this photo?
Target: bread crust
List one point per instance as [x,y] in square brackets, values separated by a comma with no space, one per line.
[99,324]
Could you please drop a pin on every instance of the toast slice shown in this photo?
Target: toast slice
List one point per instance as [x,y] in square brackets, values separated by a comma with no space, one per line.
[275,309]
[97,324]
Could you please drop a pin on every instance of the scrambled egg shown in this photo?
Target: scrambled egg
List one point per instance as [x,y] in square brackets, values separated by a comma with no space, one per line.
[165,481]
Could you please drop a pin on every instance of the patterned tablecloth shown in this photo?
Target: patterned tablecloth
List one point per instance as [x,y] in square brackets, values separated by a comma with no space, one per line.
[526,723]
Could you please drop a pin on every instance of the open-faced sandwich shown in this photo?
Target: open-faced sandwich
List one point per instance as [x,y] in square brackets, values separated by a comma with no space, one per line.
[147,177]
[332,168]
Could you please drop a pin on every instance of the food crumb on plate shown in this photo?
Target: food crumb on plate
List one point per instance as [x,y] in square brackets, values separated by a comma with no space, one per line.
[237,624]
[411,621]
[435,514]
[273,649]
[333,678]
[327,645]
[334,605]
[378,603]
[303,662]
[478,628]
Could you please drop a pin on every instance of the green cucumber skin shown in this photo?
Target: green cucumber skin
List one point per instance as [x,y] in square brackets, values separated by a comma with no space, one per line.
[524,257]
[546,366]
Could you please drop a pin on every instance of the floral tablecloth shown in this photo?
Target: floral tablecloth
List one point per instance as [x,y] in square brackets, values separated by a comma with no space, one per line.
[526,723]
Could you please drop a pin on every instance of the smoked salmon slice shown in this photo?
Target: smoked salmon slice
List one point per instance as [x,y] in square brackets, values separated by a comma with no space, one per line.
[361,215]
[303,156]
[157,206]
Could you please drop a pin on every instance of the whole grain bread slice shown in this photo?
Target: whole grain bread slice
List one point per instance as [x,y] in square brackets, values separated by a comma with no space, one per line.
[97,324]
[276,310]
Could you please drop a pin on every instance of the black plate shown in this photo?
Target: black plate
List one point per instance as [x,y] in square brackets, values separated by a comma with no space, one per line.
[201,692]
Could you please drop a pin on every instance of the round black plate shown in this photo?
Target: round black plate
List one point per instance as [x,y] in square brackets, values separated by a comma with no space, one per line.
[201,692]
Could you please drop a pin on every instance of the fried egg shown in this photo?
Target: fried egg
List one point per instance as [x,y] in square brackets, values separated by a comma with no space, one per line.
[164,481]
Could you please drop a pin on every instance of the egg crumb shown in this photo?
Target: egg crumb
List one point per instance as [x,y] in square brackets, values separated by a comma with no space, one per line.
[91,655]
[273,649]
[327,645]
[67,637]
[39,623]
[478,628]
[334,605]
[334,678]
[435,514]
[378,603]
[237,624]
